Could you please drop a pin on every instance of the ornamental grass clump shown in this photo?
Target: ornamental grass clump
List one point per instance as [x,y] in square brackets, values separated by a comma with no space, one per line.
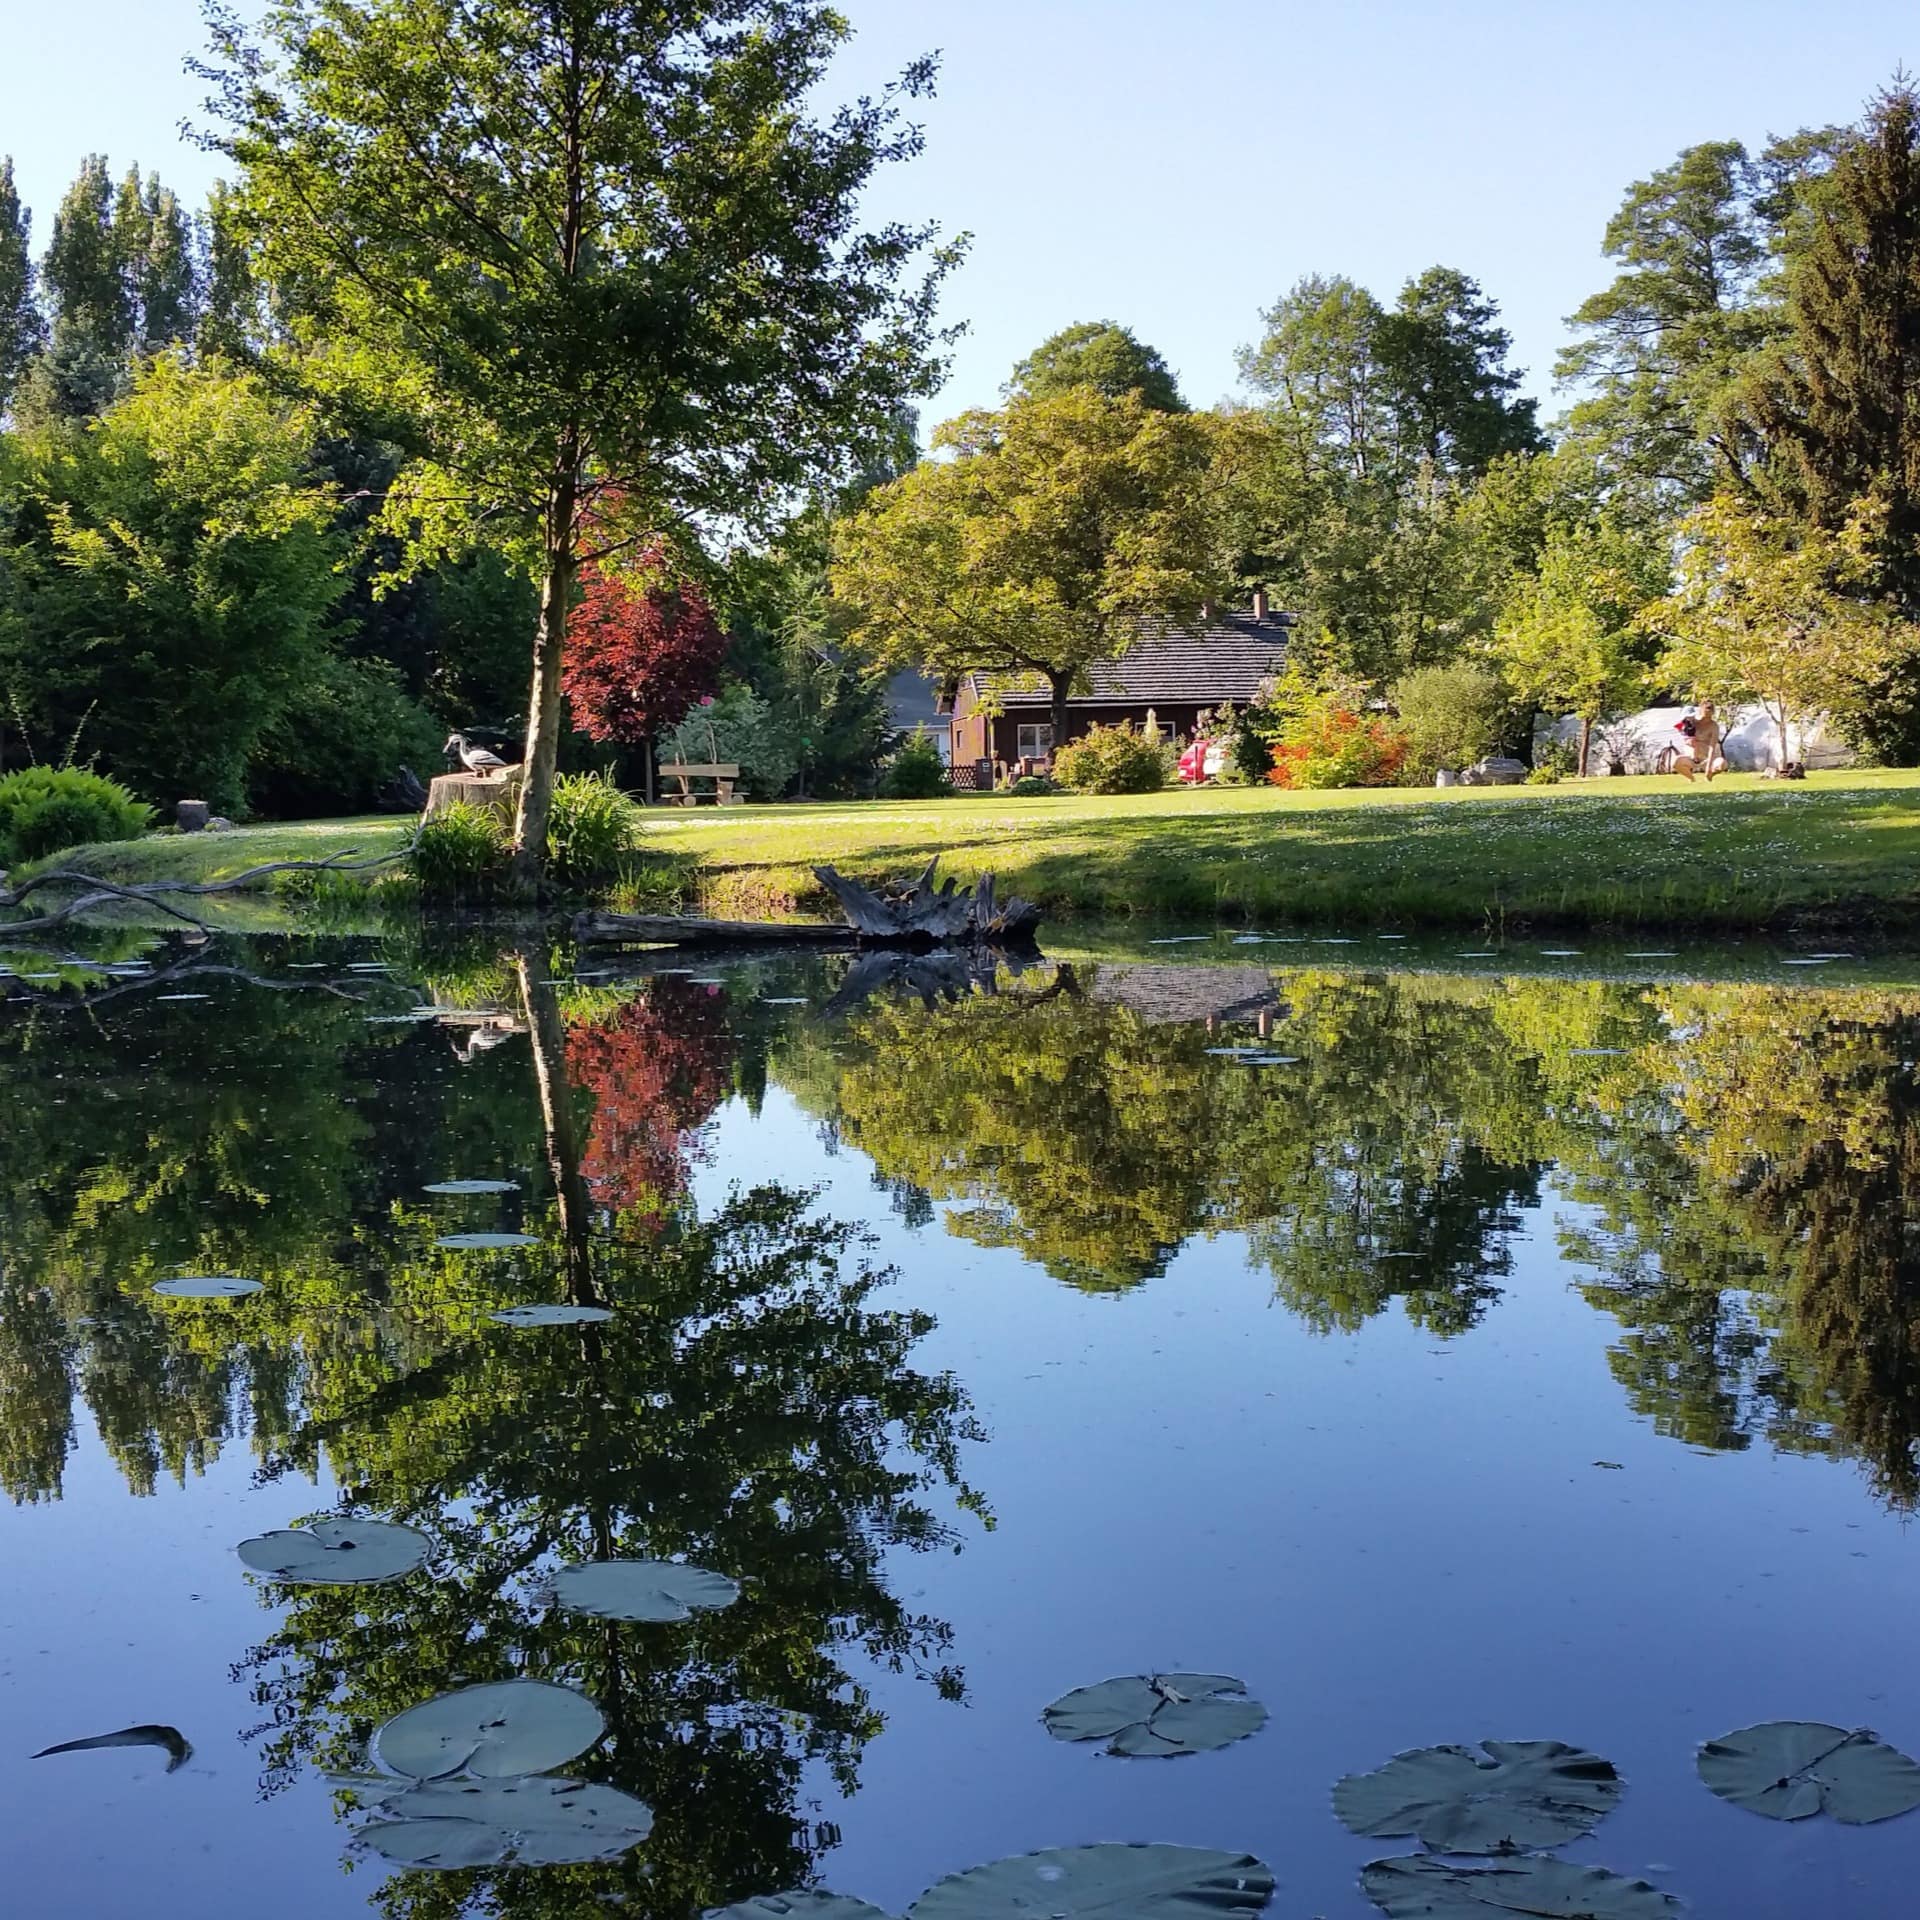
[461,855]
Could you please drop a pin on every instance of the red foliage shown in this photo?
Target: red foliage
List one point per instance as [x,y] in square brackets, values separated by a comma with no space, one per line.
[639,658]
[657,1069]
[1338,748]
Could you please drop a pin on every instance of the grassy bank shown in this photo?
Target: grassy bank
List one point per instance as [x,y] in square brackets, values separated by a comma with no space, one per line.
[1744,853]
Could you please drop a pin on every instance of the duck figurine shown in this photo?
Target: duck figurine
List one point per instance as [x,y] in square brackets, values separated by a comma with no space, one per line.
[475,759]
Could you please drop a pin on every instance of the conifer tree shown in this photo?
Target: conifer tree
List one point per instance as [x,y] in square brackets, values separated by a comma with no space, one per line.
[19,318]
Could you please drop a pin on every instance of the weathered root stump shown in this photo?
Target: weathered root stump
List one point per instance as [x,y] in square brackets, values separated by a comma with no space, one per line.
[910,913]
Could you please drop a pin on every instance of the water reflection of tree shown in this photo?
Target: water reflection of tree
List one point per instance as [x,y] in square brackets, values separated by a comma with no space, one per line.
[754,1407]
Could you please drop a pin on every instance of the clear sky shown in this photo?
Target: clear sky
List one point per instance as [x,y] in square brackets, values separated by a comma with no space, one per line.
[1176,164]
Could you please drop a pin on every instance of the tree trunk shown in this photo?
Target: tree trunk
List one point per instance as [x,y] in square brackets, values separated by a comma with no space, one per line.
[1059,683]
[1586,735]
[646,769]
[549,657]
[547,1037]
[1780,721]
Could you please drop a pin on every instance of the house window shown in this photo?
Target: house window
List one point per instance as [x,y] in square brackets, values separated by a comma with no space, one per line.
[1036,742]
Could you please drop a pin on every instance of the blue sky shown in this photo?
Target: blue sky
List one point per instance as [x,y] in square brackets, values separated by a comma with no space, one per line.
[1177,166]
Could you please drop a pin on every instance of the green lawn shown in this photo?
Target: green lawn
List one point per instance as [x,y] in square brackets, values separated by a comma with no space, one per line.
[1742,853]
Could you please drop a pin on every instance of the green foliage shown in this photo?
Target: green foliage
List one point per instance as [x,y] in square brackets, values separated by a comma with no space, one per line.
[168,568]
[334,752]
[1100,355]
[740,727]
[1112,760]
[461,856]
[1544,775]
[916,771]
[1032,786]
[1451,717]
[46,809]
[590,832]
[20,322]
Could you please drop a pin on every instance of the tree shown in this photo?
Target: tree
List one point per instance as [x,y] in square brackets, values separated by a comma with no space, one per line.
[1097,354]
[587,247]
[1057,532]
[1318,364]
[1443,354]
[641,650]
[1568,641]
[163,286]
[85,365]
[166,575]
[1768,609]
[19,318]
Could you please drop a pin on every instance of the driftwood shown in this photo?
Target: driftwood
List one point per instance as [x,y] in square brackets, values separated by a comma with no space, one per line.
[909,914]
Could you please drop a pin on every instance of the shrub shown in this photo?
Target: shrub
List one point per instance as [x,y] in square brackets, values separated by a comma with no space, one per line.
[461,855]
[341,744]
[591,828]
[916,772]
[1547,776]
[741,728]
[1451,717]
[1338,748]
[45,810]
[1031,786]
[1112,760]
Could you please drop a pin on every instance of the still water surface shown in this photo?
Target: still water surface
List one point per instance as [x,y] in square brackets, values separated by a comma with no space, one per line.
[1446,1354]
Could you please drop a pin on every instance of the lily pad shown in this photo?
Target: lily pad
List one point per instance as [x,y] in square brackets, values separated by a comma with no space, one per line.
[642,1590]
[473,1186]
[1793,1769]
[478,1242]
[208,1286]
[1110,1881]
[538,1822]
[336,1553]
[804,1903]
[495,1732]
[1504,1797]
[1161,1714]
[549,1316]
[1421,1886]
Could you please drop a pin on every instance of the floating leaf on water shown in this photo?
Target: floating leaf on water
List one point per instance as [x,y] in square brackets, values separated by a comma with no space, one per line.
[411,1018]
[336,1553]
[1833,956]
[529,1822]
[1808,962]
[473,1186]
[804,1903]
[1420,1886]
[1487,954]
[549,1316]
[642,1590]
[1656,953]
[1593,1053]
[1269,1059]
[1792,1769]
[208,1286]
[1389,936]
[1521,1794]
[498,1731]
[474,1242]
[1157,1715]
[1331,940]
[1235,1053]
[1110,1881]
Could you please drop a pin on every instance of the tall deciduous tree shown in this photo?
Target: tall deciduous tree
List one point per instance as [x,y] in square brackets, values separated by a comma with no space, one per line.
[1101,355]
[85,364]
[19,318]
[1766,608]
[588,245]
[1058,531]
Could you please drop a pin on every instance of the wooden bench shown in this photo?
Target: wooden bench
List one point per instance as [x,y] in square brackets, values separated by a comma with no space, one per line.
[724,775]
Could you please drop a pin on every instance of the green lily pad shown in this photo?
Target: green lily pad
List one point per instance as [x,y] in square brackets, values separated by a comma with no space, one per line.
[1793,1769]
[1506,1796]
[473,1186]
[1161,1714]
[495,1732]
[538,1822]
[642,1590]
[208,1286]
[550,1316]
[1106,1882]
[1422,1886]
[475,1242]
[804,1903]
[336,1553]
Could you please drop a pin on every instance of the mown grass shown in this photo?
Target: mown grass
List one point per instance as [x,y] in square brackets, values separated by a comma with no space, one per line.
[1742,854]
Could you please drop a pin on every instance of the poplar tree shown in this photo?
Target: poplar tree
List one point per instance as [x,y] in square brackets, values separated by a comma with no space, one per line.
[594,251]
[85,365]
[20,329]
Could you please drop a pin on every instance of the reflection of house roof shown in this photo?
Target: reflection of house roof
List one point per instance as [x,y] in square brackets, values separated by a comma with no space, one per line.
[913,701]
[1224,658]
[1188,993]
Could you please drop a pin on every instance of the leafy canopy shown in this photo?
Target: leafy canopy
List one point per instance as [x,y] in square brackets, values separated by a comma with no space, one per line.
[1100,355]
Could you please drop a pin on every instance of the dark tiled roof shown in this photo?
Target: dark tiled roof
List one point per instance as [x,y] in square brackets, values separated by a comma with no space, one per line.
[1224,658]
[912,701]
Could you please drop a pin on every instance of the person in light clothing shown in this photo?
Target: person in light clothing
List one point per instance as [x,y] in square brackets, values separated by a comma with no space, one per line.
[1700,744]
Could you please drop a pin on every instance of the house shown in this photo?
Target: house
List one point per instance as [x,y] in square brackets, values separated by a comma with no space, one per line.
[1173,673]
[913,702]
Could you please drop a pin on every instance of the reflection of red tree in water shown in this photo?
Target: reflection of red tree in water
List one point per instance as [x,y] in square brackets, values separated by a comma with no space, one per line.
[656,1069]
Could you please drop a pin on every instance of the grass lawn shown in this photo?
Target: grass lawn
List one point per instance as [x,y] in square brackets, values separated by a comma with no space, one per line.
[219,856]
[1744,852]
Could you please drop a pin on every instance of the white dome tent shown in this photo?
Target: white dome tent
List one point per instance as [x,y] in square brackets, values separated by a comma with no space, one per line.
[1750,740]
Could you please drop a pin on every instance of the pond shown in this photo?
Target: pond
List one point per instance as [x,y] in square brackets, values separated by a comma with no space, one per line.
[1445,1345]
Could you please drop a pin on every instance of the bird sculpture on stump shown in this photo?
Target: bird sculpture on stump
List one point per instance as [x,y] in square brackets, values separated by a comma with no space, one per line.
[475,759]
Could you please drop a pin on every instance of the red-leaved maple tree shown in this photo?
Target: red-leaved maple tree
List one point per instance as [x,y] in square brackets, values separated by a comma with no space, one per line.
[639,658]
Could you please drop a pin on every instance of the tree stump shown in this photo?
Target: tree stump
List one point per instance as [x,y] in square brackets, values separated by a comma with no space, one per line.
[497,793]
[191,816]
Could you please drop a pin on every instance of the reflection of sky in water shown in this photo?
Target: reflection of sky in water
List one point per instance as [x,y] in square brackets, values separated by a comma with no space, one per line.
[1395,1540]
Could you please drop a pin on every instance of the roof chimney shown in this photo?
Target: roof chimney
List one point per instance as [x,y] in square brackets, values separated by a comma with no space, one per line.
[1259,603]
